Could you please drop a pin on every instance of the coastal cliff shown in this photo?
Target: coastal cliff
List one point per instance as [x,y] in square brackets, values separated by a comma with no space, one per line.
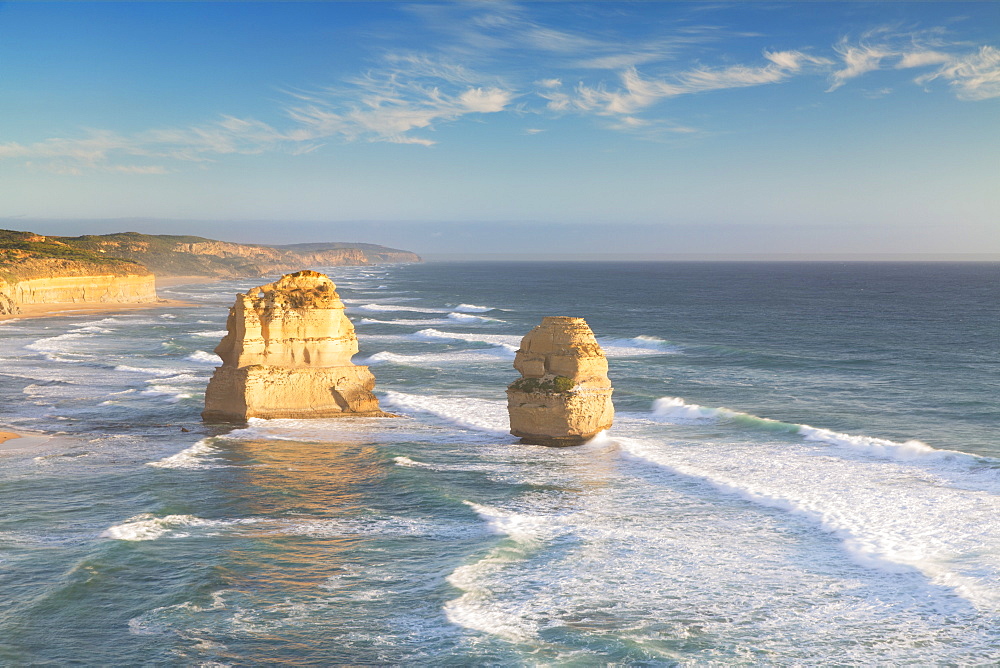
[120,268]
[175,255]
[38,270]
[287,354]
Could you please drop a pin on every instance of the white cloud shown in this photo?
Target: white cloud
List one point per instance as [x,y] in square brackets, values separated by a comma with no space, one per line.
[858,60]
[549,83]
[637,93]
[410,93]
[922,59]
[485,101]
[407,95]
[974,77]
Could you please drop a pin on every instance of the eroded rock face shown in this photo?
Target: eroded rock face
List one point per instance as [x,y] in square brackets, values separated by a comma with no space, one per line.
[288,354]
[86,289]
[564,395]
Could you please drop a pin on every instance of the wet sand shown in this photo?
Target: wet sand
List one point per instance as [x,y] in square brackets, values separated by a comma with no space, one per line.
[13,442]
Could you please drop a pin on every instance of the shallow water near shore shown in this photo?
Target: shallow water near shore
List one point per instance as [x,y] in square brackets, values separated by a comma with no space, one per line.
[804,469]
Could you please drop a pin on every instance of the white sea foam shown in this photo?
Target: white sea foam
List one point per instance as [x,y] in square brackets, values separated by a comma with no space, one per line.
[148,527]
[170,393]
[201,455]
[58,344]
[507,342]
[217,334]
[178,378]
[887,515]
[146,370]
[468,412]
[380,308]
[478,356]
[637,346]
[204,358]
[472,308]
[409,463]
[678,411]
[479,607]
[468,318]
[404,322]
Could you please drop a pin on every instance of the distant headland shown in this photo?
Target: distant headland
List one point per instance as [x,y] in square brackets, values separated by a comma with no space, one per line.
[122,268]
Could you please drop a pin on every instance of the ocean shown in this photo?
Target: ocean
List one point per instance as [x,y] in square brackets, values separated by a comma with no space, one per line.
[804,469]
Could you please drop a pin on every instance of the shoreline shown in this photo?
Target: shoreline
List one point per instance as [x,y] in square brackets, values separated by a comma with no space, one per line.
[56,309]
[12,442]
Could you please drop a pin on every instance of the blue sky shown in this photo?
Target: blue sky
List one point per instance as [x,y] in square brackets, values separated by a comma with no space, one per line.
[647,127]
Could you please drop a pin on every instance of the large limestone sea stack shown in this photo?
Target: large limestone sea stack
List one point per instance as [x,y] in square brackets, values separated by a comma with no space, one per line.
[287,354]
[564,396]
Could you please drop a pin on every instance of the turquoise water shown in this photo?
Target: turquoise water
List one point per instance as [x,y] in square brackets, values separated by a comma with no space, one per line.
[804,469]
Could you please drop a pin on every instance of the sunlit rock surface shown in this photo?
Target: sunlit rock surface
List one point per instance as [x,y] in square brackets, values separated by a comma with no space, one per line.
[564,395]
[288,354]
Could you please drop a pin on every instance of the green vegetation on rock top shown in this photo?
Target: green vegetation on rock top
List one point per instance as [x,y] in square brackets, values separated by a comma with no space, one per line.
[558,385]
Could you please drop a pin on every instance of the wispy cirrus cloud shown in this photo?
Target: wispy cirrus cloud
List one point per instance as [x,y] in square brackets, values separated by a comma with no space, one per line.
[636,92]
[495,58]
[973,75]
[409,93]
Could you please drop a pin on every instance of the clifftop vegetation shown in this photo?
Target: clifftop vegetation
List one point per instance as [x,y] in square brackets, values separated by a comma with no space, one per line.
[26,255]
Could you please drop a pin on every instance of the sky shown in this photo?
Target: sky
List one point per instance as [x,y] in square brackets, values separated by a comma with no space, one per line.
[603,129]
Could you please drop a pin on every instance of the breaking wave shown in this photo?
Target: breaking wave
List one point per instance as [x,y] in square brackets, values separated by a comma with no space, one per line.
[201,455]
[149,527]
[678,411]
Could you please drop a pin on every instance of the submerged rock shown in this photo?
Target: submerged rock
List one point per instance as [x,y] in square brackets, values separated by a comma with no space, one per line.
[287,354]
[564,395]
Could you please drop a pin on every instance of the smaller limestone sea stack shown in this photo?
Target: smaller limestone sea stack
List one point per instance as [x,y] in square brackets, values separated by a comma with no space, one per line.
[287,354]
[564,396]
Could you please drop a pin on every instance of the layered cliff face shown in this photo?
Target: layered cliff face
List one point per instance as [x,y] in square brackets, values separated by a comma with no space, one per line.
[86,289]
[38,270]
[270,260]
[564,395]
[287,354]
[7,304]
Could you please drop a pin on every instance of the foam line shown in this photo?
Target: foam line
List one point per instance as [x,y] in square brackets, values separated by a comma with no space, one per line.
[477,608]
[506,341]
[477,414]
[204,358]
[678,411]
[198,456]
[380,308]
[148,527]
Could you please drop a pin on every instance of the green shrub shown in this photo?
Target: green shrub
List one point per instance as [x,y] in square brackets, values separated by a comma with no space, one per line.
[558,385]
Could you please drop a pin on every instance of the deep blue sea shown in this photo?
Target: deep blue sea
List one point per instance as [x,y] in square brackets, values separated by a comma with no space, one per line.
[804,470]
